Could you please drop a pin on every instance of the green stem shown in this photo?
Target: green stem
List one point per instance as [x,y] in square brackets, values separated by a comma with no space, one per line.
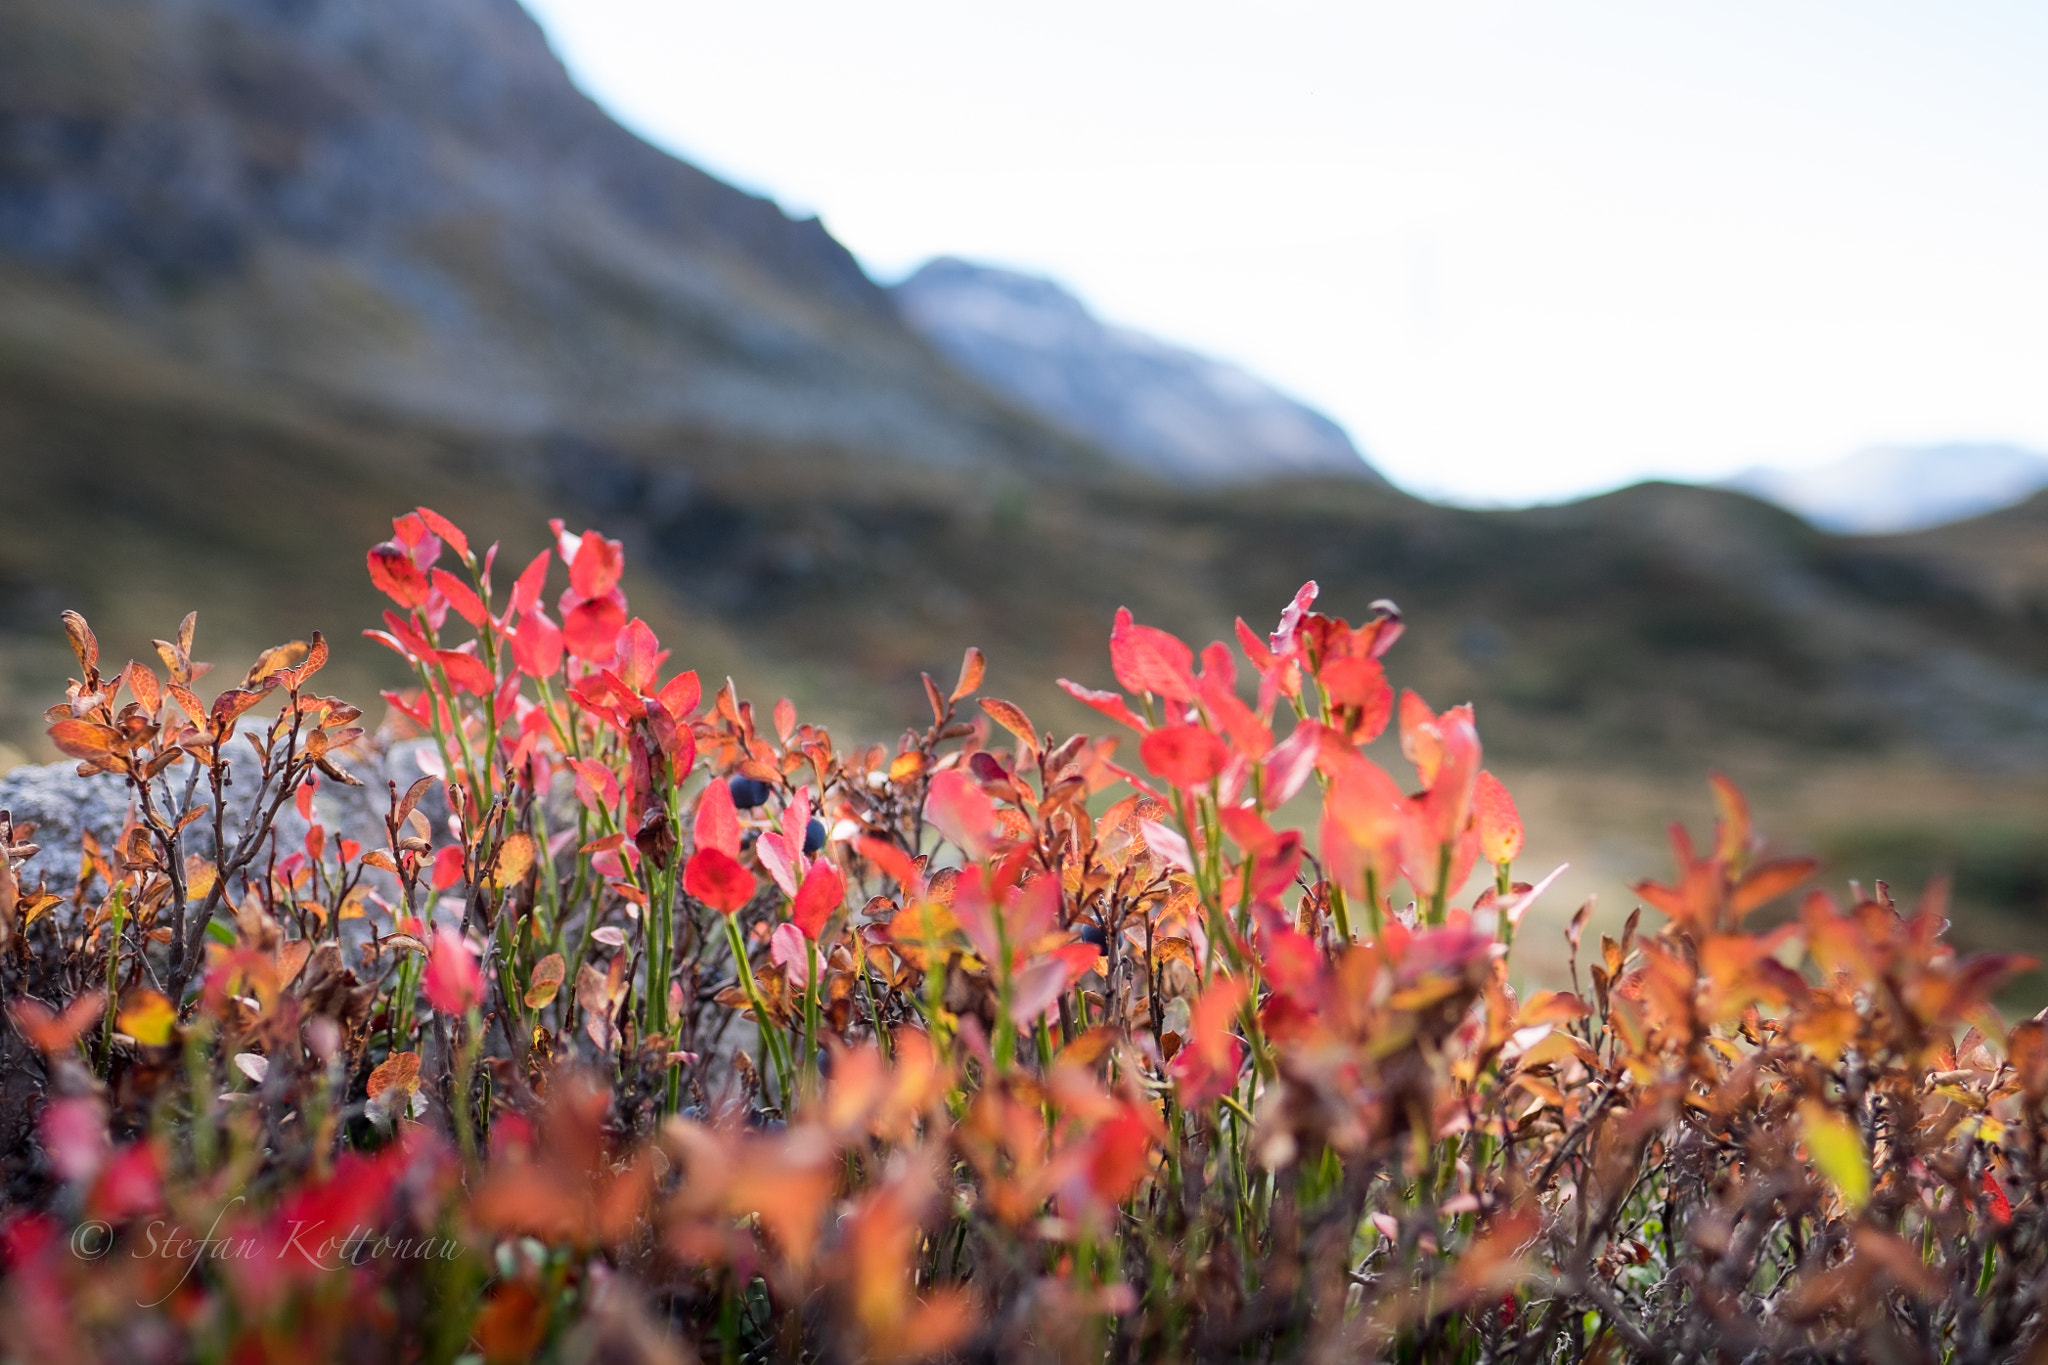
[770,1035]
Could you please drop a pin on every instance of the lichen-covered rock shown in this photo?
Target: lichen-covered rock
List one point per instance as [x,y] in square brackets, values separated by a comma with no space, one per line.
[61,805]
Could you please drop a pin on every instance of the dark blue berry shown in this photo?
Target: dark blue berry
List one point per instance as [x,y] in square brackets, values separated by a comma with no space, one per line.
[1092,933]
[748,792]
[814,837]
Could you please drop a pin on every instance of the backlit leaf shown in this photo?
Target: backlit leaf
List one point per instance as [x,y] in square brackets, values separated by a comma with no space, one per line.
[716,878]
[1500,824]
[972,666]
[1837,1152]
[513,861]
[1012,718]
[148,1018]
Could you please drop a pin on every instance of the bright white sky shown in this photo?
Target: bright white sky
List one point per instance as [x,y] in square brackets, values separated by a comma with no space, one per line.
[1520,250]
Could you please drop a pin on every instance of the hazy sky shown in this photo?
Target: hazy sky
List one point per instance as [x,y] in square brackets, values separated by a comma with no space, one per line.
[1520,250]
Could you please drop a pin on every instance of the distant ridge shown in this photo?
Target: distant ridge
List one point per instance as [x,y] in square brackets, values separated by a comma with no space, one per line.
[1169,411]
[1902,488]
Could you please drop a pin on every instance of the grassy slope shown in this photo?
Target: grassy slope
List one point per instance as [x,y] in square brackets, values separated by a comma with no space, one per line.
[1876,695]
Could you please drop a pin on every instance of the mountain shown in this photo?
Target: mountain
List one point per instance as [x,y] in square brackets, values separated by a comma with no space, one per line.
[1159,408]
[1902,488]
[409,207]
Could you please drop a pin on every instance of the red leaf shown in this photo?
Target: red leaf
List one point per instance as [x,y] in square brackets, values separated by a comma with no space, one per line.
[422,544]
[74,1136]
[1251,735]
[718,823]
[396,576]
[599,562]
[1500,824]
[537,645]
[640,654]
[407,634]
[1110,704]
[466,672]
[453,982]
[1449,802]
[448,868]
[461,597]
[958,808]
[596,785]
[1207,1065]
[1290,762]
[1038,988]
[445,529]
[1149,660]
[1186,755]
[591,629]
[1255,649]
[681,695]
[816,900]
[1420,742]
[786,950]
[1362,818]
[1360,686]
[532,581]
[2000,1207]
[784,864]
[717,879]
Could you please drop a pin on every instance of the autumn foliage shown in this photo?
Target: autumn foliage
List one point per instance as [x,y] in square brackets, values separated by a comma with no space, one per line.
[649,1027]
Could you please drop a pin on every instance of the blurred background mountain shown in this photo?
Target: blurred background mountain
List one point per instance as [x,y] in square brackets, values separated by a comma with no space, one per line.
[274,270]
[1157,407]
[1907,488]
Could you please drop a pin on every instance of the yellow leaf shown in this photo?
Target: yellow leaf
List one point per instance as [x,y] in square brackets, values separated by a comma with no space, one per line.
[515,856]
[148,1018]
[1836,1149]
[547,980]
[200,876]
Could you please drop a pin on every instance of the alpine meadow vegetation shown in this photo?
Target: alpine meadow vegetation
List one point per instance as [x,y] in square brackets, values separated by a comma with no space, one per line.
[649,1027]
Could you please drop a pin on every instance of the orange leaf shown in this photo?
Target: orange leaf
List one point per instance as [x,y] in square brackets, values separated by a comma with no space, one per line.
[1769,881]
[1012,718]
[86,740]
[972,666]
[1732,841]
[513,861]
[142,682]
[55,1033]
[1500,824]
[400,1071]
